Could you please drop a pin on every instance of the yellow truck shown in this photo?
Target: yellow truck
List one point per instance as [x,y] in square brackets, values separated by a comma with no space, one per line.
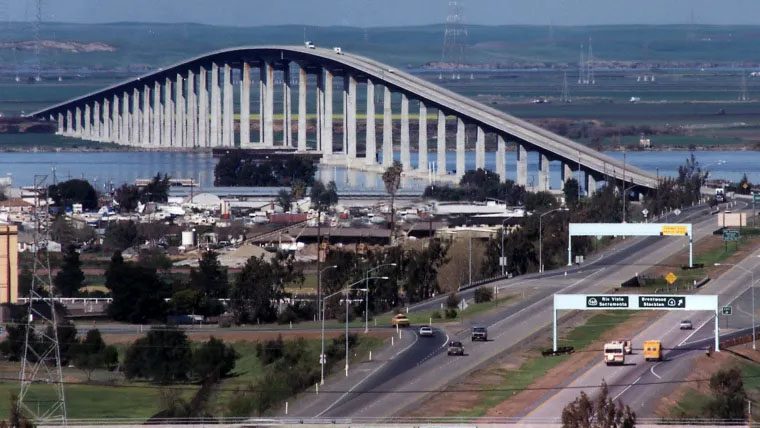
[652,350]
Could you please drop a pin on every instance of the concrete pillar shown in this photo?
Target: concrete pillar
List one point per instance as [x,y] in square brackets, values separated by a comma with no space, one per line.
[422,147]
[590,183]
[349,87]
[441,147]
[461,147]
[501,161]
[166,141]
[267,110]
[191,114]
[522,165]
[245,105]
[134,135]
[320,109]
[202,108]
[405,151]
[115,125]
[301,109]
[96,121]
[155,131]
[228,109]
[107,126]
[87,118]
[179,112]
[544,174]
[370,156]
[480,149]
[69,123]
[387,128]
[60,124]
[145,132]
[214,134]
[126,120]
[287,110]
[567,173]
[327,131]
[77,122]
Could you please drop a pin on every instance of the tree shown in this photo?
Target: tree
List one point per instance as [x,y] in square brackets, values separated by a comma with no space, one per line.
[284,199]
[392,181]
[120,235]
[162,356]
[154,258]
[728,395]
[322,198]
[540,201]
[25,279]
[137,291]
[92,353]
[157,190]
[75,191]
[210,279]
[127,196]
[70,278]
[213,358]
[599,413]
[571,191]
[260,285]
[483,294]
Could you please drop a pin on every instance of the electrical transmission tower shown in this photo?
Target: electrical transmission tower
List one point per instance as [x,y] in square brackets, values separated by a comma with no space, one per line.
[455,38]
[581,68]
[590,79]
[41,394]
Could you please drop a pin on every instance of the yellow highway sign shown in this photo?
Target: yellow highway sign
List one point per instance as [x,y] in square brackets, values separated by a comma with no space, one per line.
[671,278]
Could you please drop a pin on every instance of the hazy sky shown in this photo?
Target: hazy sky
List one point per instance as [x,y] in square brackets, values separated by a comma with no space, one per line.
[364,13]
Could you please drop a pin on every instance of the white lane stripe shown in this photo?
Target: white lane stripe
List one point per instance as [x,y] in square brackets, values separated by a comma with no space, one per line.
[651,369]
[626,388]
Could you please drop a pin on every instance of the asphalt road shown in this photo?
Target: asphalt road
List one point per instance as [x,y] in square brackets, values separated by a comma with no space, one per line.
[414,373]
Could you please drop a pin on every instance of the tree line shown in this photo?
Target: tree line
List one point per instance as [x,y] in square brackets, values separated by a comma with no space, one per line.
[237,169]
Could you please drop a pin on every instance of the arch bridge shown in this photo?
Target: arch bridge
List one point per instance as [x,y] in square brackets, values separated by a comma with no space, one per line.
[205,102]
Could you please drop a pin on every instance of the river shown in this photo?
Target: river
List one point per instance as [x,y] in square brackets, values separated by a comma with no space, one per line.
[105,168]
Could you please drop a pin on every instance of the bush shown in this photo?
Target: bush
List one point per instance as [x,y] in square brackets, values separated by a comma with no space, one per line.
[483,294]
[436,315]
[213,358]
[162,356]
[451,313]
[270,351]
[452,302]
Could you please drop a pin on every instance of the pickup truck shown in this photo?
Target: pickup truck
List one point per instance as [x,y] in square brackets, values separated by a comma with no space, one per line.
[479,333]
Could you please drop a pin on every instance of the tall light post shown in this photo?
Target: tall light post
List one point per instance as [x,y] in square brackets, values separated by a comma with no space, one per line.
[501,261]
[625,196]
[321,310]
[366,300]
[752,292]
[322,358]
[541,239]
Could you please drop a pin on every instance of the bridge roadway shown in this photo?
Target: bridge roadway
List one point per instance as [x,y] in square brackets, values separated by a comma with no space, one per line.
[403,380]
[181,118]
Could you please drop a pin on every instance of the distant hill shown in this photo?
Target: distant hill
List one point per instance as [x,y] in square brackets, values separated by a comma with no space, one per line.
[139,46]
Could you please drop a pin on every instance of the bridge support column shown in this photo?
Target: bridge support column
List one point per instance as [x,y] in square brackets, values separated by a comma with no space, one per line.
[191,114]
[202,108]
[115,116]
[327,114]
[179,113]
[320,109]
[461,147]
[405,151]
[590,183]
[107,121]
[87,128]
[567,173]
[166,141]
[387,128]
[69,123]
[480,149]
[543,172]
[145,133]
[155,131]
[228,114]
[126,120]
[301,108]
[441,144]
[77,122]
[60,124]
[96,121]
[245,105]
[422,147]
[349,129]
[287,109]
[267,97]
[501,161]
[216,107]
[370,155]
[134,136]
[522,165]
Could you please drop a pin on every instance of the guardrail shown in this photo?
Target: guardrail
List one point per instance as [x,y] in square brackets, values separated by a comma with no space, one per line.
[68,300]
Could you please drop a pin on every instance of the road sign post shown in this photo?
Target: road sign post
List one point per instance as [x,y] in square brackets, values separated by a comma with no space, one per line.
[730,235]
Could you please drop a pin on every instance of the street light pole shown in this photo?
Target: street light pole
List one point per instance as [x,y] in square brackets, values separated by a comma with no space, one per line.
[366,299]
[501,261]
[541,239]
[752,292]
[320,309]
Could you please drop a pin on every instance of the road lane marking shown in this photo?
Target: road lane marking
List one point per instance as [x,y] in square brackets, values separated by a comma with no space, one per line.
[651,369]
[627,388]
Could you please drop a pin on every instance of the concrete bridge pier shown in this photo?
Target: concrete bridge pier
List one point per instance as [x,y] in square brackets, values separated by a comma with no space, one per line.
[522,165]
[191,125]
[543,171]
[77,122]
[302,108]
[134,124]
[96,121]
[349,117]
[327,114]
[567,173]
[125,120]
[461,144]
[480,149]
[146,113]
[228,112]
[287,110]
[405,150]
[87,128]
[214,126]
[501,161]
[387,128]
[370,157]
[60,124]
[245,105]
[107,118]
[590,183]
[441,144]
[422,148]
[203,125]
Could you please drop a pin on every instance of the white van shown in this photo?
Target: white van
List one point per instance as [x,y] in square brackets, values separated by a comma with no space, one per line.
[614,353]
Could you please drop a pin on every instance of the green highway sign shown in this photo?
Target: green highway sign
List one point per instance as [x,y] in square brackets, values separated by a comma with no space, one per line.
[606,301]
[756,197]
[726,310]
[666,302]
[730,235]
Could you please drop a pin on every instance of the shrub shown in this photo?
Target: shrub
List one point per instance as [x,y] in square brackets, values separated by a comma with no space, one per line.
[213,358]
[451,313]
[483,294]
[436,315]
[452,302]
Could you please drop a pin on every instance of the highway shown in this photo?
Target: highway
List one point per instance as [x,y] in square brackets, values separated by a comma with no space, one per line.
[432,370]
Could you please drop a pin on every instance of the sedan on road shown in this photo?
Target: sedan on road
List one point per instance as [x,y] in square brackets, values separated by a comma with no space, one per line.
[456,348]
[426,331]
[686,325]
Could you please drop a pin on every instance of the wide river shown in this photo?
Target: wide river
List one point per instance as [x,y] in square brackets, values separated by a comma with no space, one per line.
[119,167]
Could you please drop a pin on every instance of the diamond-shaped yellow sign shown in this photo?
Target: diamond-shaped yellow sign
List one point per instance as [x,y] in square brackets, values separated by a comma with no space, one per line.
[671,278]
[745,185]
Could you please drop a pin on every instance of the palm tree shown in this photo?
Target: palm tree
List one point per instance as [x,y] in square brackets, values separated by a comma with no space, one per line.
[392,181]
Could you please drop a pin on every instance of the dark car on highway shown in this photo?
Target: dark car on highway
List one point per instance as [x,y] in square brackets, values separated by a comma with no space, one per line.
[456,348]
[479,333]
